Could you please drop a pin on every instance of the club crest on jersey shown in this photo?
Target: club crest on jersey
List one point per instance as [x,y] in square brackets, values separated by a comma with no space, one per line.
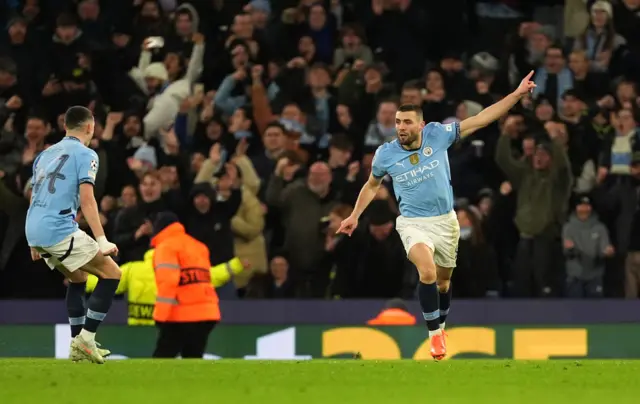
[427,151]
[414,159]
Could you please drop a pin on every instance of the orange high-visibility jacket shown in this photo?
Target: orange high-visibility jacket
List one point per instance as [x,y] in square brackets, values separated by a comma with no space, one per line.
[183,279]
[393,317]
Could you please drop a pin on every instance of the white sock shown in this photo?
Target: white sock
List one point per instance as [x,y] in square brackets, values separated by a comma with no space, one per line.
[88,335]
[436,332]
[442,325]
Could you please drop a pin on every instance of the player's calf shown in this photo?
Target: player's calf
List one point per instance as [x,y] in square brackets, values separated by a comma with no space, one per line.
[422,257]
[75,300]
[444,287]
[100,301]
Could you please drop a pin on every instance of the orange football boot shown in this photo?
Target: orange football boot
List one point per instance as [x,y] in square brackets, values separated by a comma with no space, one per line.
[439,346]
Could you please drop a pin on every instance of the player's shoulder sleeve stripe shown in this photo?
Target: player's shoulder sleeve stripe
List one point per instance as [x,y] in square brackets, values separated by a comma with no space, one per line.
[456,130]
[452,130]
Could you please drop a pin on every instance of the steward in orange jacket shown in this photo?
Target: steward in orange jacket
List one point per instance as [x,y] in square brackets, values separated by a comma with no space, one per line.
[186,309]
[394,313]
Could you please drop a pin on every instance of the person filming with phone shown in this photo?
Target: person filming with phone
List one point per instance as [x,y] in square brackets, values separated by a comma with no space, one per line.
[168,84]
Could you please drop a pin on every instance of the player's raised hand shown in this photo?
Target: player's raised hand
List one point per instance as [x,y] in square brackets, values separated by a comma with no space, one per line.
[348,225]
[526,85]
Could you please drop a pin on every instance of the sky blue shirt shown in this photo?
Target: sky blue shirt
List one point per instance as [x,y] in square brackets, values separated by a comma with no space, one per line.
[422,177]
[57,175]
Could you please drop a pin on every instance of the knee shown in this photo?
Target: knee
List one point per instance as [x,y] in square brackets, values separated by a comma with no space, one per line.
[426,274]
[111,270]
[443,285]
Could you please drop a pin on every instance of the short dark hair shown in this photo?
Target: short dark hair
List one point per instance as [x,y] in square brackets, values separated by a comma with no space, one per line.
[76,116]
[36,117]
[555,46]
[340,141]
[411,108]
[276,124]
[412,85]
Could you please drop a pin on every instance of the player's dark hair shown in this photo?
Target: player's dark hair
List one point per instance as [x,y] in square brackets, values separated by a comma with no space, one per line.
[76,116]
[411,108]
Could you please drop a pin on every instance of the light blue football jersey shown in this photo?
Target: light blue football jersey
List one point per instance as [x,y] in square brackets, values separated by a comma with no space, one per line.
[57,175]
[422,177]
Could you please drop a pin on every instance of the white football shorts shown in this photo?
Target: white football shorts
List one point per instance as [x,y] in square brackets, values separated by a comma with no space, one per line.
[74,252]
[439,233]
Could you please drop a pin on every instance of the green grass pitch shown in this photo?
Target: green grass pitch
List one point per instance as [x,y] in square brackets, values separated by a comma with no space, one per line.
[27,381]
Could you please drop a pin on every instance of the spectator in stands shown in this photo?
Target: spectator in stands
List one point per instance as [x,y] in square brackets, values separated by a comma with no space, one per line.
[133,226]
[627,22]
[275,285]
[618,151]
[303,204]
[543,185]
[372,263]
[619,201]
[476,274]
[382,129]
[586,245]
[586,80]
[274,142]
[209,219]
[353,48]
[600,40]
[529,48]
[553,79]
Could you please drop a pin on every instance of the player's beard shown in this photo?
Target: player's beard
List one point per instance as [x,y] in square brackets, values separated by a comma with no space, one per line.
[407,139]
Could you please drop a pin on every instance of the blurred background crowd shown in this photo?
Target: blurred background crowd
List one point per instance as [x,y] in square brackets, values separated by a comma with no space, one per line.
[255,122]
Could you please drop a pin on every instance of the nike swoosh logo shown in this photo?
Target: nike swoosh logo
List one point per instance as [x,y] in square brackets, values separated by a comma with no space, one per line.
[86,349]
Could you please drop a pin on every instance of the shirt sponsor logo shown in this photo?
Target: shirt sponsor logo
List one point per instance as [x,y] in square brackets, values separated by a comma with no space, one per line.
[418,174]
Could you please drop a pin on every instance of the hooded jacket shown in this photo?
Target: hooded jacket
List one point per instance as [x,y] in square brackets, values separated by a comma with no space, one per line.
[585,261]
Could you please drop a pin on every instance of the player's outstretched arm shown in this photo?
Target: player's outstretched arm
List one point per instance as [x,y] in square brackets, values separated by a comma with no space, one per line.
[500,108]
[89,208]
[367,193]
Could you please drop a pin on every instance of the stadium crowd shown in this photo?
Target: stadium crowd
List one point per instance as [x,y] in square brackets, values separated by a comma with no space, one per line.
[256,122]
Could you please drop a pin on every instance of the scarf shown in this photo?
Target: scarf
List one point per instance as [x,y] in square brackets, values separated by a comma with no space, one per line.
[565,82]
